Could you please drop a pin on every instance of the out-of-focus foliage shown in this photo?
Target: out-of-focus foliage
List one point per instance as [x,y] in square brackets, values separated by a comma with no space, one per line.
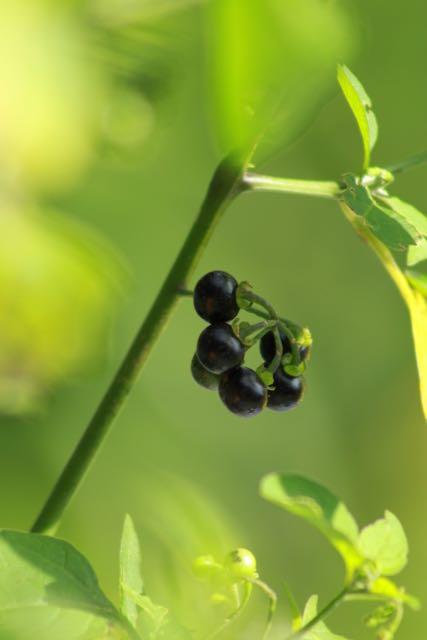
[47,586]
[271,64]
[62,104]
[50,96]
[57,284]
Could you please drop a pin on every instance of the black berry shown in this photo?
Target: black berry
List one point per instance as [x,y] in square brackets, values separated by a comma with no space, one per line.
[219,349]
[267,346]
[243,392]
[215,297]
[287,393]
[202,376]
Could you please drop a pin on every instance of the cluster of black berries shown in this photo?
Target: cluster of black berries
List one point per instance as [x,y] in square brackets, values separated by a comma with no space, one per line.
[218,361]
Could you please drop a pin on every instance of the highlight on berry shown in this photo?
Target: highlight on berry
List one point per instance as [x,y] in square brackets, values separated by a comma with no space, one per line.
[219,360]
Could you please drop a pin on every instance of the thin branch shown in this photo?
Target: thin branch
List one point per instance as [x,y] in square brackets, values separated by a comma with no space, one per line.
[319,188]
[225,185]
[333,604]
[409,163]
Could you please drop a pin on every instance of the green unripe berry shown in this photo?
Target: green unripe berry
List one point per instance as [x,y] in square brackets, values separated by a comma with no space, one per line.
[241,564]
[205,567]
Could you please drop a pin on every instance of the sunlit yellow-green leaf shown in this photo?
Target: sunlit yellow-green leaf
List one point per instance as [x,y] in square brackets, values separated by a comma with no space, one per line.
[318,506]
[384,543]
[415,300]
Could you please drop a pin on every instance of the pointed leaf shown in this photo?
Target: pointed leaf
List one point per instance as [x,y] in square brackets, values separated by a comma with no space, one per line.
[409,212]
[418,281]
[319,507]
[384,543]
[130,570]
[415,301]
[48,587]
[386,587]
[361,106]
[389,226]
[416,219]
[417,253]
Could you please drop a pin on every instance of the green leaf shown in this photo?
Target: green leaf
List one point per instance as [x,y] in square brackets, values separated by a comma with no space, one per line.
[130,570]
[417,253]
[48,590]
[409,212]
[272,63]
[394,230]
[418,281]
[361,106]
[380,616]
[320,631]
[414,299]
[384,543]
[386,587]
[417,220]
[318,506]
[152,617]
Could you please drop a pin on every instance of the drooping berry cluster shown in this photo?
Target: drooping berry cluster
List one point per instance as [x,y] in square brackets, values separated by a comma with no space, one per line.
[218,363]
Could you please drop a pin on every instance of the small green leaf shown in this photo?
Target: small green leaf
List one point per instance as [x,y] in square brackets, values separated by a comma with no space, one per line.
[414,299]
[418,281]
[319,507]
[361,106]
[386,587]
[48,590]
[389,226]
[416,219]
[265,375]
[380,616]
[417,253]
[409,212]
[130,570]
[384,543]
[152,617]
[320,631]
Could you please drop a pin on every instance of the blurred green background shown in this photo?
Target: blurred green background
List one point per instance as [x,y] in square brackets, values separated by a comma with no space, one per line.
[107,143]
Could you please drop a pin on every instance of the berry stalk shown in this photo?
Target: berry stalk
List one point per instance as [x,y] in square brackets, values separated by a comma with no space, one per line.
[225,185]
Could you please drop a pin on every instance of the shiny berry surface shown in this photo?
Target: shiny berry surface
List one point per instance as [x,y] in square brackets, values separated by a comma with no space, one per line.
[202,376]
[215,297]
[219,349]
[267,346]
[243,392]
[287,393]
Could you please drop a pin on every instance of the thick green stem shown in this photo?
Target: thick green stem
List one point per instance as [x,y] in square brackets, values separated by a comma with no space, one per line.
[226,183]
[321,189]
[299,633]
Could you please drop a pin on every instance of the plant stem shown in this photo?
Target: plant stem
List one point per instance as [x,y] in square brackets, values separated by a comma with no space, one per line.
[321,189]
[225,185]
[299,633]
[272,604]
[241,604]
[409,163]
